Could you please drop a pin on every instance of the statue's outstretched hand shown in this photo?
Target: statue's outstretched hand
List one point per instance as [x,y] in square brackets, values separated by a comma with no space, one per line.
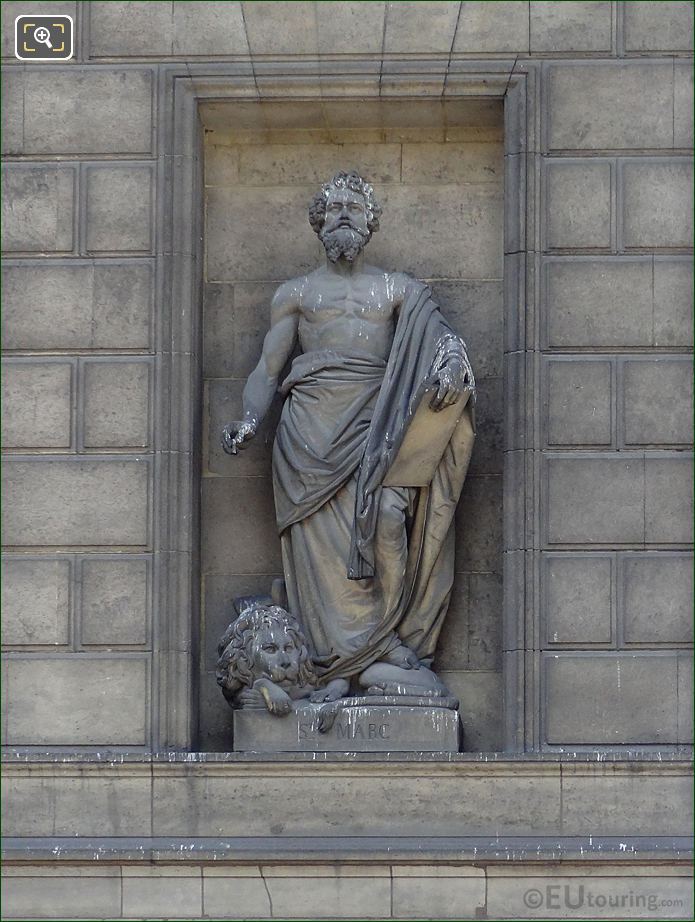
[236,435]
[452,384]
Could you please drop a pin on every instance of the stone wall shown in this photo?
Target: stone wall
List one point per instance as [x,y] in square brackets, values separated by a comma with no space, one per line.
[585,424]
[350,892]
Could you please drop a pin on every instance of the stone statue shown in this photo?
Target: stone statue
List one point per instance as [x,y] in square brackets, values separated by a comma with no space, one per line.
[264,666]
[369,459]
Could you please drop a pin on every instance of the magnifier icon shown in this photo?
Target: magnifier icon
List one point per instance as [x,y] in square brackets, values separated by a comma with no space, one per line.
[41,34]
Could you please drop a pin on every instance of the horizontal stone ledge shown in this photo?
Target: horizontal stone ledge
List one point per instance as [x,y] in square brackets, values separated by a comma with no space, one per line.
[42,759]
[85,759]
[326,849]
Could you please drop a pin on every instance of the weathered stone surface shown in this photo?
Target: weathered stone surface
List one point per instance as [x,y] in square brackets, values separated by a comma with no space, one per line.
[75,502]
[342,27]
[595,500]
[425,893]
[578,402]
[289,164]
[122,29]
[658,401]
[459,231]
[420,27]
[119,209]
[492,27]
[577,599]
[237,318]
[175,897]
[250,500]
[244,225]
[246,897]
[36,405]
[92,112]
[683,105]
[37,211]
[349,894]
[453,644]
[116,404]
[604,699]
[452,162]
[480,697]
[615,106]
[578,204]
[102,803]
[479,525]
[63,897]
[364,728]
[594,804]
[685,697]
[93,701]
[656,203]
[215,728]
[114,602]
[599,303]
[488,457]
[125,29]
[209,29]
[281,28]
[78,305]
[221,167]
[485,621]
[12,108]
[35,601]
[668,514]
[570,26]
[657,592]
[452,798]
[673,302]
[666,27]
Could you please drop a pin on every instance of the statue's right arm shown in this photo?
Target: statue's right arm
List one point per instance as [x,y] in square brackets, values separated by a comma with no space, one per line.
[263,380]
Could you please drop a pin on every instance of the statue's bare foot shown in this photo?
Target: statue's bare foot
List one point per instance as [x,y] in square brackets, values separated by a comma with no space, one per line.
[335,689]
[403,657]
[400,688]
[383,678]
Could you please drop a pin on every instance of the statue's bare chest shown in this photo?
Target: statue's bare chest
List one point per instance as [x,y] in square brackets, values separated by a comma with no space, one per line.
[368,298]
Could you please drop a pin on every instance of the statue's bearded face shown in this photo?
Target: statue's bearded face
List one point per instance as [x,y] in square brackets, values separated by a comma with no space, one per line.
[345,232]
[276,656]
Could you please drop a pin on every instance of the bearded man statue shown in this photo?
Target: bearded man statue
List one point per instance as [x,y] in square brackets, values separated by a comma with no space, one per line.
[370,453]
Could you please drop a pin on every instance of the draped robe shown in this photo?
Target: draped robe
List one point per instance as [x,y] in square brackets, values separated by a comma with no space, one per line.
[367,566]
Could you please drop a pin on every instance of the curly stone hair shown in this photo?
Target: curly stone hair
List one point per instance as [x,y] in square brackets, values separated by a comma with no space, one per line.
[343,180]
[234,668]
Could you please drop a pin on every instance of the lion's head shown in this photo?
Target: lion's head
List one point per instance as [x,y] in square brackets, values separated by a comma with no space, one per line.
[265,641]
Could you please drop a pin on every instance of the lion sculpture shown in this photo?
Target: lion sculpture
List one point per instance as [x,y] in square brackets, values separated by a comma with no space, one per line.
[263,660]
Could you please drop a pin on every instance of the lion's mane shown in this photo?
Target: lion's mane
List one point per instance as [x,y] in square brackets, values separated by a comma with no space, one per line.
[234,667]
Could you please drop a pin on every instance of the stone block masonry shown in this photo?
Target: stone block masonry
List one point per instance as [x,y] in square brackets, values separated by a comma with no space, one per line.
[134,306]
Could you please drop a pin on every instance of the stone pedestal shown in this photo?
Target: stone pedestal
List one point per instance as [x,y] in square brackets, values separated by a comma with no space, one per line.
[349,728]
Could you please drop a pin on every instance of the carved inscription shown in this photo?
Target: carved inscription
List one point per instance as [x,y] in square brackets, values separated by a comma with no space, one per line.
[350,731]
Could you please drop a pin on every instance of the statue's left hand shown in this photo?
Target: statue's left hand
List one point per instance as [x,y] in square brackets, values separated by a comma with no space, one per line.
[452,385]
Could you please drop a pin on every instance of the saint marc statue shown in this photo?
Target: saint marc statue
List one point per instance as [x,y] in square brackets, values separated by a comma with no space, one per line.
[370,453]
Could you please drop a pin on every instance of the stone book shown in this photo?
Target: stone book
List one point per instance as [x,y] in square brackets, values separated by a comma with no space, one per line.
[424,442]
